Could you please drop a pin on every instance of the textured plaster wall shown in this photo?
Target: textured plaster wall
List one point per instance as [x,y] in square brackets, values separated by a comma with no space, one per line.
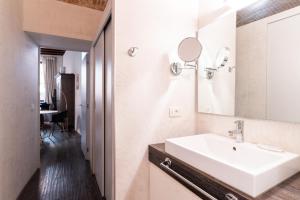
[145,88]
[19,105]
[61,19]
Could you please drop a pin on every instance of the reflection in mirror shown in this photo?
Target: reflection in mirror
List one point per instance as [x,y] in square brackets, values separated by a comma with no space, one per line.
[216,84]
[222,57]
[261,78]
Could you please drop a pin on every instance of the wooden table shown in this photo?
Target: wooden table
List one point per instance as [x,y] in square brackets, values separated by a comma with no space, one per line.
[46,112]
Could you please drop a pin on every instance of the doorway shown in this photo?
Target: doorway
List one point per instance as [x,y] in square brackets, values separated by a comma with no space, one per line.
[84,105]
[64,93]
[64,171]
[94,115]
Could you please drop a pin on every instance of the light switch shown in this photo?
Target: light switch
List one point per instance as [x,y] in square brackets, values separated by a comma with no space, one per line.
[174,112]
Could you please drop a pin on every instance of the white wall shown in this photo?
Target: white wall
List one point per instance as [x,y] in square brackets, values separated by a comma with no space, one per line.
[145,88]
[251,70]
[91,111]
[19,108]
[283,95]
[72,61]
[59,62]
[61,19]
[210,10]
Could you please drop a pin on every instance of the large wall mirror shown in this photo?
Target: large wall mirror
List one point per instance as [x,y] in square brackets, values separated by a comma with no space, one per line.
[261,77]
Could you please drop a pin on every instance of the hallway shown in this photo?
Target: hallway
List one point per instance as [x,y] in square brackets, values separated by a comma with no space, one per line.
[64,174]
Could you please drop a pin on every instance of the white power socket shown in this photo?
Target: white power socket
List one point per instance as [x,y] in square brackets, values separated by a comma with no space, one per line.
[174,112]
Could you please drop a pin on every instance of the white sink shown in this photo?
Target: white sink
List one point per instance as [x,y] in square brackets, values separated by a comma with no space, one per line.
[248,168]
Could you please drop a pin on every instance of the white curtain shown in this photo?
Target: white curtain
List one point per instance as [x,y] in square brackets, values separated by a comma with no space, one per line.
[50,71]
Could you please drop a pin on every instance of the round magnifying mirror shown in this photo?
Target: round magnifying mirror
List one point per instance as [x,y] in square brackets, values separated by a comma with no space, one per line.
[222,57]
[189,49]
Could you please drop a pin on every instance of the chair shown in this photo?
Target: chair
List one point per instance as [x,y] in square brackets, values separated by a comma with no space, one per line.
[44,106]
[59,120]
[44,127]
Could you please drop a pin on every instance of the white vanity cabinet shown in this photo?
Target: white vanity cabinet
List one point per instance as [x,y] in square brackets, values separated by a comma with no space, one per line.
[164,187]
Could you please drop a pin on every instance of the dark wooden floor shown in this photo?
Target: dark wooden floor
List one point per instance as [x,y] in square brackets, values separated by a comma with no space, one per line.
[64,174]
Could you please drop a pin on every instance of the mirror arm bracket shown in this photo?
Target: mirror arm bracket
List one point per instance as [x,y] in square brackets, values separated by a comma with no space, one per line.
[177,68]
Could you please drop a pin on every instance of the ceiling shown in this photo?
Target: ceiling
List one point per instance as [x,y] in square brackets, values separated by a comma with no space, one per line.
[93,4]
[62,43]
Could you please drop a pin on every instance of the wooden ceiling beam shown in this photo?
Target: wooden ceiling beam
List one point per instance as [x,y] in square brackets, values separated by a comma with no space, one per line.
[52,52]
[262,9]
[93,4]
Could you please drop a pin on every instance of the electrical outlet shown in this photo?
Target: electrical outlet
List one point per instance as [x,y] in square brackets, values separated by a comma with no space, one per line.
[174,112]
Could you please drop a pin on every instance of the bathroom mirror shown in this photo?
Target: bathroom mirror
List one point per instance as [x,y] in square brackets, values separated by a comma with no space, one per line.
[257,62]
[189,50]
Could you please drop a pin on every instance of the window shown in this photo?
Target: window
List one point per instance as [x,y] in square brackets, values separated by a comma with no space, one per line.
[42,83]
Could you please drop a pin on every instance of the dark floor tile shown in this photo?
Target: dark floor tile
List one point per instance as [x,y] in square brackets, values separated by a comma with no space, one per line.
[64,173]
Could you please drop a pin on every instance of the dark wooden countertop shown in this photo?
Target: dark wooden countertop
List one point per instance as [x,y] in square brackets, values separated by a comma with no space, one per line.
[288,190]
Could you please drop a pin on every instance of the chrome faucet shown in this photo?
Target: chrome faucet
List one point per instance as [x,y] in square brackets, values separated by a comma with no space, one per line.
[238,133]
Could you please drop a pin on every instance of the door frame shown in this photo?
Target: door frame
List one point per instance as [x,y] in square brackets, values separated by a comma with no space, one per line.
[85,61]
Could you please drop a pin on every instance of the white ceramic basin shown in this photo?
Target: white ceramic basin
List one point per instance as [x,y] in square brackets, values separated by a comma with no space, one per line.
[250,169]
